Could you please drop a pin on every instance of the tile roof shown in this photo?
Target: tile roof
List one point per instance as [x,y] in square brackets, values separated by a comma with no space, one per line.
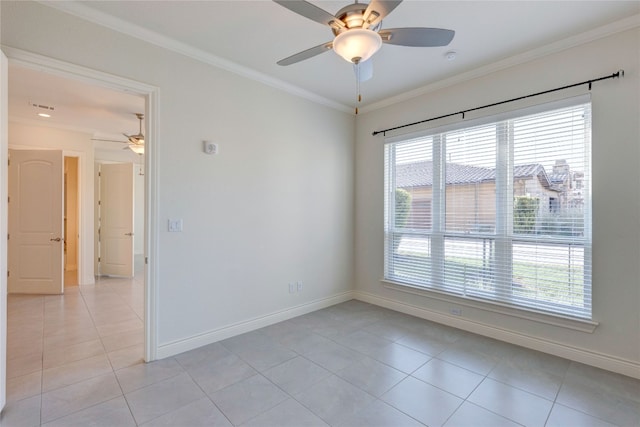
[558,178]
[419,174]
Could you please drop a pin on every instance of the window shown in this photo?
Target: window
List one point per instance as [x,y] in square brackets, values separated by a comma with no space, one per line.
[494,212]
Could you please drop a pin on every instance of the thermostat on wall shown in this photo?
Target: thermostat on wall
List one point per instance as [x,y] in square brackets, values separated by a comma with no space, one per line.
[209,147]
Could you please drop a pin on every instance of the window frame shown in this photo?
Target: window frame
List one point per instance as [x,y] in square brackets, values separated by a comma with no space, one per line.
[503,239]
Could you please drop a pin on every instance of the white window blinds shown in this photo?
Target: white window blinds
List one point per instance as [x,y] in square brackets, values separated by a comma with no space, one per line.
[499,211]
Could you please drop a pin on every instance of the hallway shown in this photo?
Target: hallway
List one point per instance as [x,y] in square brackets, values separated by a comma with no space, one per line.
[58,340]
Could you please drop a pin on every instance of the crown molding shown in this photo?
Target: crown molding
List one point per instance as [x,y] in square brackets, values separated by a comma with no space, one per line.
[64,69]
[89,14]
[577,40]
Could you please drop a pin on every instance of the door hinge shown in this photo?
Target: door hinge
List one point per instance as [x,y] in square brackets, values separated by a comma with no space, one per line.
[8,236]
[146,260]
[8,274]
[99,202]
[98,259]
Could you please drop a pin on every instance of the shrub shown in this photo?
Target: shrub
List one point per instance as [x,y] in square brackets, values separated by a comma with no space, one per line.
[568,223]
[403,207]
[524,214]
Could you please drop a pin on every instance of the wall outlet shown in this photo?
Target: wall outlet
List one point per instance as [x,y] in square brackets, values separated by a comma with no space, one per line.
[209,147]
[292,288]
[456,311]
[299,285]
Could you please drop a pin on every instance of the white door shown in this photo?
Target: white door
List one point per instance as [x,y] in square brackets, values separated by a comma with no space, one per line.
[4,99]
[35,222]
[116,219]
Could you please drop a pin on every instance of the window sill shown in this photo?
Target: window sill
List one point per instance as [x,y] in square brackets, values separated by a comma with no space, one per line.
[586,326]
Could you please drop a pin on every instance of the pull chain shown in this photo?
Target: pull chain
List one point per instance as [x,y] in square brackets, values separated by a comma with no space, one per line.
[358,94]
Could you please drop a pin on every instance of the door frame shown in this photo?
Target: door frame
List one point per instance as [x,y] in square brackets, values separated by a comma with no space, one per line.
[78,211]
[4,210]
[151,95]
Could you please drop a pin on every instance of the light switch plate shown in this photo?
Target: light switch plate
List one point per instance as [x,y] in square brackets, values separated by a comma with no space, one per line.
[175,225]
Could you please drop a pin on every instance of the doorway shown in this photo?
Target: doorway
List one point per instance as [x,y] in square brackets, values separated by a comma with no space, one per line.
[82,254]
[70,218]
[115,227]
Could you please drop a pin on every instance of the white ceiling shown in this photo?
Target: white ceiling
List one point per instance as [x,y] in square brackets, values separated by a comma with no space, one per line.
[77,106]
[250,36]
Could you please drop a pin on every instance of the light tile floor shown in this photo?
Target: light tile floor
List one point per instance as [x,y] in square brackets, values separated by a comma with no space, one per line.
[76,361]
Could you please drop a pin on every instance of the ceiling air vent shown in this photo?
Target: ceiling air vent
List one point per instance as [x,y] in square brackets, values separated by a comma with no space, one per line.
[41,106]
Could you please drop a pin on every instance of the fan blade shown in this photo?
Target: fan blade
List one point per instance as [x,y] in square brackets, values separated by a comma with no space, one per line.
[311,11]
[306,54]
[135,139]
[109,140]
[417,37]
[377,10]
[130,138]
[363,70]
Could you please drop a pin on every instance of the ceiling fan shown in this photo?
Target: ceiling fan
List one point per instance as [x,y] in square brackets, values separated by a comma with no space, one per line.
[358,34]
[357,31]
[134,142]
[139,138]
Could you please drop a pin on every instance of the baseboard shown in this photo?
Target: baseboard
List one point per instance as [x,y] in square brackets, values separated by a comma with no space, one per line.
[180,346]
[599,360]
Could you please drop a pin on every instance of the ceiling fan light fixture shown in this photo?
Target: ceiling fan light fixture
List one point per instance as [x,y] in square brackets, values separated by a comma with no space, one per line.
[357,45]
[136,142]
[138,149]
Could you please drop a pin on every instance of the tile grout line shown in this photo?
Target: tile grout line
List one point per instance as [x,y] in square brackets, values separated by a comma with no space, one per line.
[334,374]
[201,389]
[89,311]
[93,322]
[67,345]
[502,356]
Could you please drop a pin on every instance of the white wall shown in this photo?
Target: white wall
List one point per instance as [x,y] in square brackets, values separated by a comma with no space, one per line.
[73,144]
[615,343]
[276,205]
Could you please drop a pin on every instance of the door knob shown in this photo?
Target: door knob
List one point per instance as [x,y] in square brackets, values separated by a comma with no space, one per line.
[57,239]
[128,234]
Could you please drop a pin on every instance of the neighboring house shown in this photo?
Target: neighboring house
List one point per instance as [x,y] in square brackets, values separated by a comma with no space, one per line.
[569,184]
[472,189]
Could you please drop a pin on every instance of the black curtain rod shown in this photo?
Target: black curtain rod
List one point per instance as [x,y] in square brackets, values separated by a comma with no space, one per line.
[619,73]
